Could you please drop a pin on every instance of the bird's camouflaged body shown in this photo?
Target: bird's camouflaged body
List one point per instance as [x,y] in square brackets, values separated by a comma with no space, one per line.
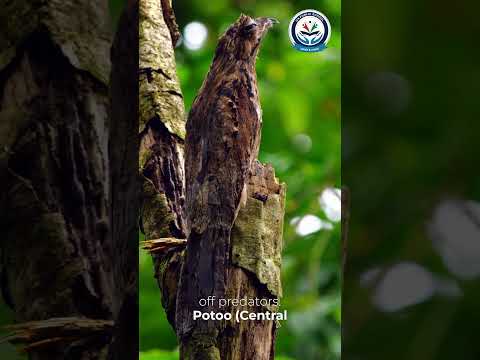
[223,137]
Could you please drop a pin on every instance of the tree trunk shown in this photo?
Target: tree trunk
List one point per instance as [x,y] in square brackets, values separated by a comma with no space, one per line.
[253,266]
[61,271]
[162,134]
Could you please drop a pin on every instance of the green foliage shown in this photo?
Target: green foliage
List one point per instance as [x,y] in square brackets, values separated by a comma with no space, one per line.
[159,355]
[154,327]
[300,95]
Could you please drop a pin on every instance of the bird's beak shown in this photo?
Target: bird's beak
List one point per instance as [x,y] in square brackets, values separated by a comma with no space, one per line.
[267,22]
[273,21]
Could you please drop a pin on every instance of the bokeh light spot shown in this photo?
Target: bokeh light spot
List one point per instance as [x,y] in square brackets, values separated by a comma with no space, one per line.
[403,285]
[310,224]
[195,34]
[302,142]
[330,201]
[455,235]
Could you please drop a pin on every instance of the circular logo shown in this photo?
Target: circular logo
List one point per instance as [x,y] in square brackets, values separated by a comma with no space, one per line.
[309,31]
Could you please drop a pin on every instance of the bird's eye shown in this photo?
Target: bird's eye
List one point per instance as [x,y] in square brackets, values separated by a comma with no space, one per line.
[249,28]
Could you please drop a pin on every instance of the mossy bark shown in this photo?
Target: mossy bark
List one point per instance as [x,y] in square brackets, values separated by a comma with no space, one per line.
[254,269]
[253,273]
[162,126]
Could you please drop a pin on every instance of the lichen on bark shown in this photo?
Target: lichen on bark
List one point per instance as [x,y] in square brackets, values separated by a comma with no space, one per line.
[160,94]
[161,126]
[258,230]
[156,217]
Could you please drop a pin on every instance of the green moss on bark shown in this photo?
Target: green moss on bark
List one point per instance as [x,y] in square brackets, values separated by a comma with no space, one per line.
[156,216]
[257,239]
[201,347]
[160,94]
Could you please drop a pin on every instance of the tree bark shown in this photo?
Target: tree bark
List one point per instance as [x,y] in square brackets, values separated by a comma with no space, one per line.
[162,135]
[67,262]
[254,260]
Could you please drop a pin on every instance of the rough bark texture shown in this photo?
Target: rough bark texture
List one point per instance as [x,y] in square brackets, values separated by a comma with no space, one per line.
[162,126]
[253,253]
[162,133]
[254,272]
[57,249]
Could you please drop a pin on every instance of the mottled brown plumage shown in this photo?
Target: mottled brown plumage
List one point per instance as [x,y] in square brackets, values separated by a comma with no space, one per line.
[223,137]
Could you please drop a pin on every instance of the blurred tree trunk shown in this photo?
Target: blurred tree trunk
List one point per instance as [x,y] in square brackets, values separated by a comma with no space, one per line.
[253,269]
[65,269]
[125,186]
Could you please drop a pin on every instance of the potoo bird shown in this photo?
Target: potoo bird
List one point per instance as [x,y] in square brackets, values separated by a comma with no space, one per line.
[223,137]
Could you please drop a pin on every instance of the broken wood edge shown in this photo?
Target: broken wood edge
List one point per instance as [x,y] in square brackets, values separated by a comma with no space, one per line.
[163,244]
[42,333]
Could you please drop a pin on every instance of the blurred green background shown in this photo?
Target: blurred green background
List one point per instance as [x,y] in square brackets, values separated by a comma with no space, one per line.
[410,129]
[300,95]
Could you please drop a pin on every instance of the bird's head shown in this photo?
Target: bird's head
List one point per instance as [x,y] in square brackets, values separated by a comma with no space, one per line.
[242,39]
